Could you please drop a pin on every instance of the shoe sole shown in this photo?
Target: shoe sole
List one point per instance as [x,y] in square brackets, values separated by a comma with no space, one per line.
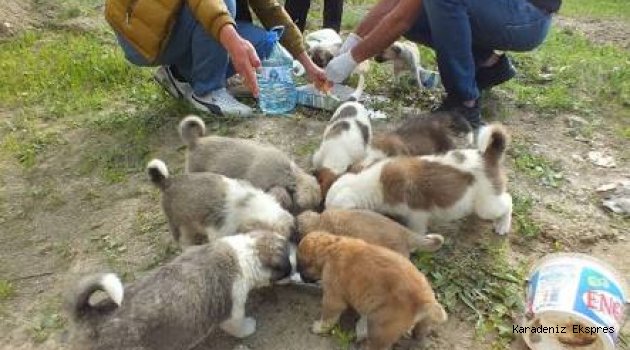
[205,107]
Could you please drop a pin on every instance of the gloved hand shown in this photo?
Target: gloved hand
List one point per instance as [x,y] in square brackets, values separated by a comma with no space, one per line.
[340,68]
[351,41]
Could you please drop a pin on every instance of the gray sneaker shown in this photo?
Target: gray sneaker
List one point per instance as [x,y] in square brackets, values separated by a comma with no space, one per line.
[222,103]
[176,88]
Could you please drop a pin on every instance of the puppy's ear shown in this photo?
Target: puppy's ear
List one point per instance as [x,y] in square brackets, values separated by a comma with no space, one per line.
[397,49]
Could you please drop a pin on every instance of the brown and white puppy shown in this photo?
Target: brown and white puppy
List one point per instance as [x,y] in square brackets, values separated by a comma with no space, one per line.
[437,187]
[176,305]
[418,135]
[207,206]
[264,166]
[382,286]
[369,226]
[405,56]
[345,142]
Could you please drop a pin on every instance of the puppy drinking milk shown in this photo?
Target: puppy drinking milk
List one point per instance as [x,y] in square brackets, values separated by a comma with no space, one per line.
[369,226]
[436,187]
[406,59]
[382,286]
[206,206]
[175,306]
[264,166]
[345,141]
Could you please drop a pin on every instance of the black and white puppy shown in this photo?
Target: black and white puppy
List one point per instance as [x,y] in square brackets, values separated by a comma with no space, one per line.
[175,306]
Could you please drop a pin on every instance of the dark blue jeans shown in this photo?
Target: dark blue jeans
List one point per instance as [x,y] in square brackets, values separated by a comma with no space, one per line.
[196,55]
[464,33]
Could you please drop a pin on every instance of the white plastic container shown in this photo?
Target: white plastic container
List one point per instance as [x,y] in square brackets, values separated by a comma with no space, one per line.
[573,291]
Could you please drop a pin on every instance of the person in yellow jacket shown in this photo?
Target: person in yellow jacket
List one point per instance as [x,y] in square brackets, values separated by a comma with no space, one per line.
[197,45]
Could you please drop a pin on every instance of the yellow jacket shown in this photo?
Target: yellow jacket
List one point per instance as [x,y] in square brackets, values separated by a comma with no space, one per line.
[146,24]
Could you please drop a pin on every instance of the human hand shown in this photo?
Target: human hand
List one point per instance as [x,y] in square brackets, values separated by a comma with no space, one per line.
[242,55]
[313,73]
[340,68]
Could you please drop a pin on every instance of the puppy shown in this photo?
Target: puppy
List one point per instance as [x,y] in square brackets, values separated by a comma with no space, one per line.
[383,287]
[443,187]
[206,206]
[405,57]
[345,142]
[175,306]
[263,166]
[370,227]
[416,136]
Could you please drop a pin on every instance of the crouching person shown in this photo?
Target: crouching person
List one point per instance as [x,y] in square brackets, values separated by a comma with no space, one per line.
[198,44]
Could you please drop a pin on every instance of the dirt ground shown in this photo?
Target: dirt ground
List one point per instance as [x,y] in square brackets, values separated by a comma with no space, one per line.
[58,224]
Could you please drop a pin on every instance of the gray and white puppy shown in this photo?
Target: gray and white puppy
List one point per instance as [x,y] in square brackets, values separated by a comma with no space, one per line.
[202,206]
[264,166]
[175,306]
[406,59]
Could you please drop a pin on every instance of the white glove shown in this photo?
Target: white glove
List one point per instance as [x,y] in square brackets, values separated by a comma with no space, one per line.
[351,41]
[340,68]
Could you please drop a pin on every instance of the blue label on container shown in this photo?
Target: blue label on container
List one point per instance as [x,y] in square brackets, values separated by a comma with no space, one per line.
[277,74]
[600,299]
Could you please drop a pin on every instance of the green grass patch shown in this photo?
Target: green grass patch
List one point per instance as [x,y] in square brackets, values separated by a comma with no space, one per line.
[60,73]
[535,166]
[46,322]
[479,282]
[343,337]
[522,206]
[603,9]
[7,290]
[25,141]
[569,73]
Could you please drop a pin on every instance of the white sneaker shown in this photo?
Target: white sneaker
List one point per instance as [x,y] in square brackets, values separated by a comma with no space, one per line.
[176,88]
[222,103]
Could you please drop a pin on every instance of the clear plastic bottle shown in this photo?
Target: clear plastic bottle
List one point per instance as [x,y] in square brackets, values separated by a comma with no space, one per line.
[278,94]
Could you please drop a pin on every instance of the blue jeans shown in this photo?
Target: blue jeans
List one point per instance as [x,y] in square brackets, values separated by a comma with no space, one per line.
[465,33]
[196,55]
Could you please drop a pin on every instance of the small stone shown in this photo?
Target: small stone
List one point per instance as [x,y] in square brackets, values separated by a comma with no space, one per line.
[573,121]
[577,158]
[601,160]
[606,187]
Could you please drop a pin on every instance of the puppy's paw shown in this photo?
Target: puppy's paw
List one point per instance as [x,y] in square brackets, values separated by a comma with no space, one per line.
[503,225]
[320,327]
[240,329]
[248,327]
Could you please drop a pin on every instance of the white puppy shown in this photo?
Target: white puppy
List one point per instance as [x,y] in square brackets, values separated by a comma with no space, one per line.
[435,187]
[202,206]
[345,142]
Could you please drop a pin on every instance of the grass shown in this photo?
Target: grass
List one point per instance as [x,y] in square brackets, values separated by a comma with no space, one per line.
[7,290]
[569,73]
[521,216]
[603,9]
[479,282]
[46,322]
[535,166]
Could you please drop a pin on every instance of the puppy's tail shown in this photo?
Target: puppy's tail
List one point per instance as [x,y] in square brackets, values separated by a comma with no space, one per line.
[80,306]
[426,243]
[191,129]
[158,173]
[492,142]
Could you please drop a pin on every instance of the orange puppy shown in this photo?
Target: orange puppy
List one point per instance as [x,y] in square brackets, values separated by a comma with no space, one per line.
[385,288]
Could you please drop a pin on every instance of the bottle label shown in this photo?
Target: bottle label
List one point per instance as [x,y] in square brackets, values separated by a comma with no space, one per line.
[279,74]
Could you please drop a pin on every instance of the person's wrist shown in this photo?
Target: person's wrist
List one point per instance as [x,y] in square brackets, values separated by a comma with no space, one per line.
[229,38]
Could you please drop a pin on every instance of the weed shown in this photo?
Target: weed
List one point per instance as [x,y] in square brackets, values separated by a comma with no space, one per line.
[46,322]
[111,246]
[25,141]
[536,166]
[306,149]
[480,279]
[7,290]
[522,206]
[343,338]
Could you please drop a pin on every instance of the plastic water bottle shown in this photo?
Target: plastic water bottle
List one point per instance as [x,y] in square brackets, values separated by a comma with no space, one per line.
[275,79]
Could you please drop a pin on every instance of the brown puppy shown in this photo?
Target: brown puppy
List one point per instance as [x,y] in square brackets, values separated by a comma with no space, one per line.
[389,293]
[418,135]
[369,226]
